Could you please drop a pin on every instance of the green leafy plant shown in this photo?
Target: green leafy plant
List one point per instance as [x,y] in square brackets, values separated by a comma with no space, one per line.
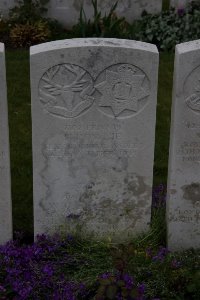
[32,12]
[27,11]
[25,35]
[171,27]
[4,30]
[118,286]
[109,25]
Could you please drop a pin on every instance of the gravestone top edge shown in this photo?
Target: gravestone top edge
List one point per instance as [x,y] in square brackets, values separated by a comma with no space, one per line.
[188,46]
[82,42]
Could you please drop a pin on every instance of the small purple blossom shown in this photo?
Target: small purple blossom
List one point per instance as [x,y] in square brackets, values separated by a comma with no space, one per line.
[2,289]
[159,196]
[33,271]
[175,264]
[141,289]
[180,11]
[149,252]
[160,256]
[48,270]
[128,281]
[105,275]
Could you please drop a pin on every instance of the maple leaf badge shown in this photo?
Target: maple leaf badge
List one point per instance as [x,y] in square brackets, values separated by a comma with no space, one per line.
[122,89]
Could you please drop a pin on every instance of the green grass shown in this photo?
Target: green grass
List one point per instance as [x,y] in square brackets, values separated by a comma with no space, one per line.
[19,106]
[163,117]
[20,131]
[165,4]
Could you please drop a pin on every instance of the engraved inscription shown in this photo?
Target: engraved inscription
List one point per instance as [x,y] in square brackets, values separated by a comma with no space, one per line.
[186,216]
[97,141]
[66,90]
[189,151]
[192,90]
[192,125]
[123,89]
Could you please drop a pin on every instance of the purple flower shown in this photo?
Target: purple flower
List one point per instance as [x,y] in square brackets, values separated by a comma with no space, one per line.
[175,264]
[180,11]
[141,289]
[162,252]
[25,292]
[128,281]
[48,270]
[105,275]
[2,289]
[159,196]
[149,252]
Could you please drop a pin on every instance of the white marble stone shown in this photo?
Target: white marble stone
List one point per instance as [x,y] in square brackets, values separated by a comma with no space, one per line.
[183,205]
[93,114]
[5,187]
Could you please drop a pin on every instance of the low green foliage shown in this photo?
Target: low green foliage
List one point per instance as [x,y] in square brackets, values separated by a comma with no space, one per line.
[171,27]
[118,286]
[26,35]
[108,25]
[27,25]
[73,267]
[27,11]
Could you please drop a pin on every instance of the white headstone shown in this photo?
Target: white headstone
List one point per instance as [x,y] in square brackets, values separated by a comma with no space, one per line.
[5,187]
[93,114]
[183,209]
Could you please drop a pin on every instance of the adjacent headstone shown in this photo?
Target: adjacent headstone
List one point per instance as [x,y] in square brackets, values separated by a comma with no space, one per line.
[93,121]
[183,209]
[5,187]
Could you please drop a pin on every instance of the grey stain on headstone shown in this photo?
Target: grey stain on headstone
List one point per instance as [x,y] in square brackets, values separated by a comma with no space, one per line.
[192,193]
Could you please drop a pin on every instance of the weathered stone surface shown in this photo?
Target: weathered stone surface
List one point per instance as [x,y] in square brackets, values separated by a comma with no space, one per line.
[68,11]
[183,210]
[93,114]
[5,188]
[5,6]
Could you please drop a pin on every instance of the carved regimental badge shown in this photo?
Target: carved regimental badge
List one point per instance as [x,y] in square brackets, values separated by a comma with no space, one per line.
[66,90]
[193,101]
[123,89]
